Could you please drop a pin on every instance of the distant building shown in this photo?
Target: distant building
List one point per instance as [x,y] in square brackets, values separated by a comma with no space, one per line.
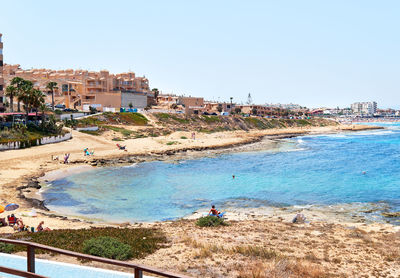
[364,108]
[167,99]
[261,110]
[2,99]
[193,105]
[216,107]
[290,106]
[82,88]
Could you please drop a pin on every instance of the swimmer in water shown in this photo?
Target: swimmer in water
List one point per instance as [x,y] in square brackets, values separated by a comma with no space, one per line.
[364,172]
[233,176]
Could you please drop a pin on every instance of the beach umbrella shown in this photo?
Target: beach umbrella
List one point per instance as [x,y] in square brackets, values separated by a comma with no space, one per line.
[12,206]
[1,209]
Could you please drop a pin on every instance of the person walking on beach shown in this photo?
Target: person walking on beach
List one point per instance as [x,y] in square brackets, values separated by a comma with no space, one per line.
[66,157]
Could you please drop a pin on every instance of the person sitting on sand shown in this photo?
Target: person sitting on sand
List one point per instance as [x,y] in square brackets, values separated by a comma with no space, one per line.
[20,225]
[12,220]
[299,218]
[214,212]
[40,228]
[87,152]
[121,147]
[3,222]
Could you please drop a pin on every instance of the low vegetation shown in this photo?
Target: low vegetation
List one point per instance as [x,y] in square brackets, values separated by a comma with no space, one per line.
[171,122]
[6,248]
[210,221]
[108,118]
[28,135]
[210,124]
[109,122]
[141,241]
[282,268]
[172,143]
[107,247]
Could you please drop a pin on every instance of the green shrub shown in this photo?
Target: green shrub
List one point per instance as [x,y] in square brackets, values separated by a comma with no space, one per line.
[133,118]
[107,247]
[183,137]
[123,131]
[91,132]
[6,248]
[211,119]
[210,221]
[172,143]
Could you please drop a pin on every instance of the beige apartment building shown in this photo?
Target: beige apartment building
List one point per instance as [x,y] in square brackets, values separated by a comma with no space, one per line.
[1,74]
[193,105]
[80,89]
[214,107]
[261,110]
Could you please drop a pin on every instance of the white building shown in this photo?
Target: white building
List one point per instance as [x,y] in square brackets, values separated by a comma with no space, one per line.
[364,108]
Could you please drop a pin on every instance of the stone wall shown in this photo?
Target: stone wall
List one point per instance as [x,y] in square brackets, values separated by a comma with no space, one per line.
[138,100]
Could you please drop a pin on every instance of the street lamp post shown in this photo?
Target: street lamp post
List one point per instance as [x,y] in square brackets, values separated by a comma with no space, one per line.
[231,104]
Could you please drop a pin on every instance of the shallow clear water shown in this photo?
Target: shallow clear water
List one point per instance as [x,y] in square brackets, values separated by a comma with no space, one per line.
[320,169]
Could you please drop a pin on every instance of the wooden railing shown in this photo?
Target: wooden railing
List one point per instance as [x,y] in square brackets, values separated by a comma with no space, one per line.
[31,246]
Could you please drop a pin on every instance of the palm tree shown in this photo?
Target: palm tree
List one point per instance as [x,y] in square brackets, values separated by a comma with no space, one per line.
[26,96]
[11,92]
[51,86]
[156,93]
[37,99]
[43,109]
[18,82]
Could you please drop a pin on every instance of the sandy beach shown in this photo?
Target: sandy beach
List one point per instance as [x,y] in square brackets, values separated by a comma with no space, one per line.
[344,250]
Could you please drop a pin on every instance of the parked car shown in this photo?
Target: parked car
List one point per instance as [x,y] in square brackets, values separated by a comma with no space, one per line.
[60,106]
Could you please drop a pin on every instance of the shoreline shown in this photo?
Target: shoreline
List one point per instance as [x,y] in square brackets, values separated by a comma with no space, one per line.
[327,242]
[27,186]
[33,186]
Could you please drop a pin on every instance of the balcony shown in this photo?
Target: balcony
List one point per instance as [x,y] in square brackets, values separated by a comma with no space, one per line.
[95,86]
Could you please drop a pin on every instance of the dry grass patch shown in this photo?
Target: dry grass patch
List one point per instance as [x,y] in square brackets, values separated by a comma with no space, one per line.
[283,268]
[255,251]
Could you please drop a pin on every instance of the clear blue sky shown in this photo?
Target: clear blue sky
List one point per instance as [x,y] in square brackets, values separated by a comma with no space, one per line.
[315,53]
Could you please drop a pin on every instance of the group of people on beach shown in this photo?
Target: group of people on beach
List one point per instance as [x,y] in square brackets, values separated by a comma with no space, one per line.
[66,158]
[19,226]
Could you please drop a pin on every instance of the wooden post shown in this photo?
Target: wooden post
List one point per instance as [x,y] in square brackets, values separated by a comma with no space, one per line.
[138,273]
[31,258]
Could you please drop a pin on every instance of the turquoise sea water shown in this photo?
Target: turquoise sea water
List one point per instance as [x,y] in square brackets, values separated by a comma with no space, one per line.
[319,170]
